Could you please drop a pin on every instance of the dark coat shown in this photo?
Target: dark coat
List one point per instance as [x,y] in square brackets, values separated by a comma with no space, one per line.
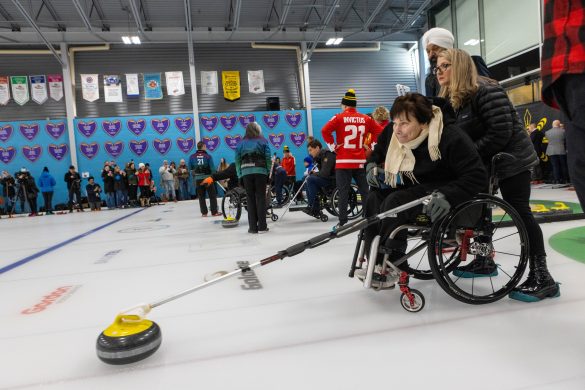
[491,121]
[229,174]
[108,181]
[73,180]
[325,161]
[9,186]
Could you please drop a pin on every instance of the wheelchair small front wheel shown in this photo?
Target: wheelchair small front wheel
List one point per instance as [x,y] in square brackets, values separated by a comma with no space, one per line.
[414,302]
[274,217]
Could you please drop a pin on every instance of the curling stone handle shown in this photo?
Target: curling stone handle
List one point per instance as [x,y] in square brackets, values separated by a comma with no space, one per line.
[139,311]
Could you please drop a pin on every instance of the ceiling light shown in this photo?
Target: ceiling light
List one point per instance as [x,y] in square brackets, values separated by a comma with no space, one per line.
[126,40]
[330,41]
[471,42]
[337,41]
[135,40]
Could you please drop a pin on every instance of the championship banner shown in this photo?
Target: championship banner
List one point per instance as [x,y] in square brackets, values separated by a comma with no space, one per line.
[231,84]
[152,86]
[209,83]
[132,89]
[38,88]
[256,81]
[90,87]
[19,89]
[112,88]
[175,84]
[4,91]
[55,86]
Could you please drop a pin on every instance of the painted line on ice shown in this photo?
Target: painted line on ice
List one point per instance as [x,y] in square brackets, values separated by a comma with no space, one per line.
[62,244]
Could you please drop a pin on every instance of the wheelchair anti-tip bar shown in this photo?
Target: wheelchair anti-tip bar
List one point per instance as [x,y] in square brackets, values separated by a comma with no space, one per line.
[294,250]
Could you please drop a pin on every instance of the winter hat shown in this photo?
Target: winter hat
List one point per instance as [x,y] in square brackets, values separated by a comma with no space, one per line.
[349,99]
[45,169]
[141,165]
[285,149]
[23,170]
[71,167]
[308,160]
[440,37]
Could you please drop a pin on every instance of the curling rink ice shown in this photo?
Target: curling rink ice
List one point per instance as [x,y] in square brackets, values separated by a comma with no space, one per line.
[309,326]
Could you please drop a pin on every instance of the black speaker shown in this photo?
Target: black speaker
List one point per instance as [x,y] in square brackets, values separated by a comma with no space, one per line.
[273,103]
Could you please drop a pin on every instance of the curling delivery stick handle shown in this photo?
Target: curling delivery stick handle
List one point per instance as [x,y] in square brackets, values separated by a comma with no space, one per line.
[300,247]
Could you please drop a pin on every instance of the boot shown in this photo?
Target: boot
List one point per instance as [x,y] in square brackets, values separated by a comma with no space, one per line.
[480,267]
[142,200]
[539,284]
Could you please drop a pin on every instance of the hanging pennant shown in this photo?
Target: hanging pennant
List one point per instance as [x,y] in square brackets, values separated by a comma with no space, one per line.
[19,89]
[175,84]
[38,88]
[231,84]
[256,81]
[152,86]
[90,87]
[112,88]
[4,91]
[55,86]
[132,89]
[209,83]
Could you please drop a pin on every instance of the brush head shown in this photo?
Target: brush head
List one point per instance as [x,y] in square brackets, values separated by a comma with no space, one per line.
[130,338]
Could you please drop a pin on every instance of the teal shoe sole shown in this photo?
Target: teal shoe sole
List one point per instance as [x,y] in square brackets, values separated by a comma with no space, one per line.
[518,296]
[469,275]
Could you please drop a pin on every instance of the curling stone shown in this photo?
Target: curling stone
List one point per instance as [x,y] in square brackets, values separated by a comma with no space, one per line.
[129,339]
[230,222]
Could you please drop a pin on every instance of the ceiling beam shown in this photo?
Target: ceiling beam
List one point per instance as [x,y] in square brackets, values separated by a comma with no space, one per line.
[284,14]
[54,14]
[100,12]
[30,20]
[145,15]
[375,13]
[6,15]
[310,11]
[237,11]
[82,15]
[322,28]
[346,12]
[136,15]
[410,21]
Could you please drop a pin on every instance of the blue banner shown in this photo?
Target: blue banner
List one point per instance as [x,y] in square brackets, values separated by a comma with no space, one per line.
[152,86]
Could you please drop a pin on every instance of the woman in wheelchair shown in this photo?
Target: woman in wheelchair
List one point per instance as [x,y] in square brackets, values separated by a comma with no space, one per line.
[485,114]
[426,154]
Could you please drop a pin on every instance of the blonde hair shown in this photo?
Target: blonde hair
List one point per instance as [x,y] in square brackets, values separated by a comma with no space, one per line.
[381,114]
[463,83]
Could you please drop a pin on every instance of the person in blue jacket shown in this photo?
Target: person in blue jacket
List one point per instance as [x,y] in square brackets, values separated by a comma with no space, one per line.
[47,184]
[253,164]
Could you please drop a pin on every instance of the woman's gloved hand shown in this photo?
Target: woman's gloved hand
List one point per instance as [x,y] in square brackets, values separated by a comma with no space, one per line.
[372,175]
[437,207]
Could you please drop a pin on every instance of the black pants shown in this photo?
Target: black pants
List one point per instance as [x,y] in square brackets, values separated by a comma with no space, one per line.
[211,191]
[74,191]
[559,167]
[569,90]
[132,192]
[343,181]
[32,202]
[516,191]
[48,198]
[255,186]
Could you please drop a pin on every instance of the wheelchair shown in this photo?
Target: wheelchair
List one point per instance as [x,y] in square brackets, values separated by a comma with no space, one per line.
[235,199]
[328,199]
[484,227]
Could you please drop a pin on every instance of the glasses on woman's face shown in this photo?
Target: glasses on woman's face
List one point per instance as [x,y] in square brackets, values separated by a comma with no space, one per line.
[441,68]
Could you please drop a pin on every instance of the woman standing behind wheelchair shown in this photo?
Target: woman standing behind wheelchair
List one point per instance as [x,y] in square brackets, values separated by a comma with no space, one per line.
[425,154]
[253,163]
[485,113]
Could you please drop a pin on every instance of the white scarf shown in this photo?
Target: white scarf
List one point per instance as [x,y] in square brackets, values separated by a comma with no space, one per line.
[400,160]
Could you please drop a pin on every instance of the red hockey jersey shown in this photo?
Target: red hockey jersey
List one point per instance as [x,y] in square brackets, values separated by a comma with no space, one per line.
[351,129]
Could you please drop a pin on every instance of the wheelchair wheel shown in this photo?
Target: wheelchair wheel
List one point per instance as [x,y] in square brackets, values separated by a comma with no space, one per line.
[285,194]
[231,205]
[485,230]
[274,217]
[354,203]
[417,304]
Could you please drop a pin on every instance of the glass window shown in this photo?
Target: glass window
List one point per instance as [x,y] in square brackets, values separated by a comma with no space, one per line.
[510,27]
[468,38]
[442,18]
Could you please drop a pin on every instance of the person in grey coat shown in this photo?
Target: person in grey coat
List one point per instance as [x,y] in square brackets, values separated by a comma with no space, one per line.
[557,152]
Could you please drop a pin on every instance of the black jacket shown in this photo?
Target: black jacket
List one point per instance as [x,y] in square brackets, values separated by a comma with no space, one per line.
[9,186]
[491,121]
[229,174]
[93,192]
[109,181]
[73,180]
[325,161]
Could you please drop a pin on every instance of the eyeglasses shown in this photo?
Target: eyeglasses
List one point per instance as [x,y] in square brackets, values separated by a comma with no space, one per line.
[441,68]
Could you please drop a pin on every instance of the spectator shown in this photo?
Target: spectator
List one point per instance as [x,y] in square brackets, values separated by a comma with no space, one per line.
[132,180]
[144,183]
[223,165]
[183,175]
[176,181]
[27,191]
[537,137]
[557,153]
[253,164]
[279,177]
[108,179]
[120,187]
[9,190]
[321,177]
[563,78]
[94,194]
[382,117]
[73,180]
[47,184]
[167,179]
[201,166]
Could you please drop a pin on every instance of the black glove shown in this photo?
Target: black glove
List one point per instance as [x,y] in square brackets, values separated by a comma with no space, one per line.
[372,175]
[437,207]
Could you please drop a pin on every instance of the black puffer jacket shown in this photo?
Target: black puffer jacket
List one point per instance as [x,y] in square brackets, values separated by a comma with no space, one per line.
[491,121]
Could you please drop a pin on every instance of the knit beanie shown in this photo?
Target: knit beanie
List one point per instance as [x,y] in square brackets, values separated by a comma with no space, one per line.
[349,99]
[440,37]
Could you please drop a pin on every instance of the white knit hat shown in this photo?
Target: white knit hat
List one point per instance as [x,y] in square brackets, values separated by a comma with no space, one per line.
[141,165]
[440,37]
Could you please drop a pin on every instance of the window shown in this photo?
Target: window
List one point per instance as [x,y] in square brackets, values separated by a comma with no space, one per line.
[468,37]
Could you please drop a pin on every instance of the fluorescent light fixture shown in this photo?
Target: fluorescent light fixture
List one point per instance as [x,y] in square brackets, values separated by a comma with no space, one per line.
[337,41]
[126,40]
[471,42]
[131,40]
[135,40]
[330,41]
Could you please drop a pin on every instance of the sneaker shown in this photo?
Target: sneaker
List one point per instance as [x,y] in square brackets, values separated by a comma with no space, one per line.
[480,267]
[216,214]
[204,215]
[263,231]
[313,213]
